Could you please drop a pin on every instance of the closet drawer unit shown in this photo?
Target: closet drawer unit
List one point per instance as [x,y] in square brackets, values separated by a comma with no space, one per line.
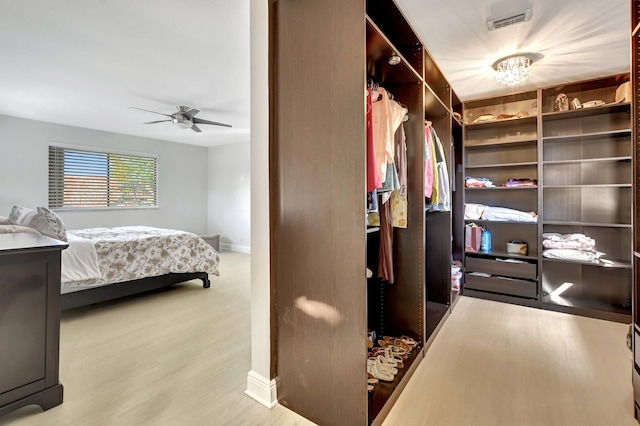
[496,267]
[510,286]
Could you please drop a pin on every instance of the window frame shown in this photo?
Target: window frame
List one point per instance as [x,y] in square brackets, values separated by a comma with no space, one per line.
[103,151]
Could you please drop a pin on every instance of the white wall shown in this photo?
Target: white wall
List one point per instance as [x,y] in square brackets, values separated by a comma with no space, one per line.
[230,195]
[182,179]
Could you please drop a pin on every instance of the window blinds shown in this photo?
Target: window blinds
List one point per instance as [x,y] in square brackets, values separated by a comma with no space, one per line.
[91,179]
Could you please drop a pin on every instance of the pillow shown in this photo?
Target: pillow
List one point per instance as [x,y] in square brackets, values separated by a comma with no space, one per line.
[42,219]
[5,221]
[15,229]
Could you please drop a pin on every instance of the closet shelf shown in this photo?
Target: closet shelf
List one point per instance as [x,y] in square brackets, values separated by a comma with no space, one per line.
[587,112]
[384,390]
[373,229]
[503,254]
[603,185]
[379,48]
[589,160]
[502,123]
[486,166]
[500,142]
[588,136]
[618,264]
[499,222]
[430,97]
[594,224]
[503,188]
[584,304]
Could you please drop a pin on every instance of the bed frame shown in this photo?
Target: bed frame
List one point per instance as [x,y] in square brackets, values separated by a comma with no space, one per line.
[89,296]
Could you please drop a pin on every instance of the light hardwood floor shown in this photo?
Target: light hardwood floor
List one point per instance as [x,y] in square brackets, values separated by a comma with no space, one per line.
[180,357]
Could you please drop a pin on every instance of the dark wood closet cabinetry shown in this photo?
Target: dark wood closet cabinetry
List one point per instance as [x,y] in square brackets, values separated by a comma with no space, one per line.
[499,150]
[323,55]
[586,169]
[635,93]
[581,158]
[29,321]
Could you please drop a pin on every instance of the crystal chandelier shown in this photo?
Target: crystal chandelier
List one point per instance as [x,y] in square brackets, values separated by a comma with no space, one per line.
[512,70]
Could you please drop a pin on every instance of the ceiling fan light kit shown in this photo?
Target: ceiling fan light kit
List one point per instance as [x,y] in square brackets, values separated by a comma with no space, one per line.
[514,69]
[185,118]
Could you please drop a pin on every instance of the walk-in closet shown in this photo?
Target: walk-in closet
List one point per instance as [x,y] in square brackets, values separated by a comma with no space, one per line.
[350,272]
[362,265]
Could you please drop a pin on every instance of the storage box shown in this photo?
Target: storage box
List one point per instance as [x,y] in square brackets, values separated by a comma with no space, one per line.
[213,240]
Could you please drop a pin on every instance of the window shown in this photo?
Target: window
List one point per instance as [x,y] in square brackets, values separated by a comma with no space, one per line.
[90,179]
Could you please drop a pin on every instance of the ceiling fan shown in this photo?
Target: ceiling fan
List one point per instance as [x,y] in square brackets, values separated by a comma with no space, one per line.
[185,118]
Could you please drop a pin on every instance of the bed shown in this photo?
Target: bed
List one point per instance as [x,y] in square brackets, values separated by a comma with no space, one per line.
[101,264]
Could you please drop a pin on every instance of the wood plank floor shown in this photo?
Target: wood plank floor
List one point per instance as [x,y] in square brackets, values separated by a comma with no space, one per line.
[180,357]
[496,364]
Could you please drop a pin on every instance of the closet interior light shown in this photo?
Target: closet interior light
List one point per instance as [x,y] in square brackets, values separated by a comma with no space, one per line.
[513,69]
[394,59]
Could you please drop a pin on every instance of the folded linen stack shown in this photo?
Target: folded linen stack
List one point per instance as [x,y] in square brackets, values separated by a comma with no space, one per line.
[570,247]
[481,182]
[482,212]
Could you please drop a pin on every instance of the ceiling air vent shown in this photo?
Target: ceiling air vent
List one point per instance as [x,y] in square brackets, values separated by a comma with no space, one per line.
[511,19]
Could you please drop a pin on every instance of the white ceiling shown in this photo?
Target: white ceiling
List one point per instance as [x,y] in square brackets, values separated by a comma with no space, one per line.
[580,39]
[84,63]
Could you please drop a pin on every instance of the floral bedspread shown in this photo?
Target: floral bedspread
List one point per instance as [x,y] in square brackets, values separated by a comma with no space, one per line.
[132,252]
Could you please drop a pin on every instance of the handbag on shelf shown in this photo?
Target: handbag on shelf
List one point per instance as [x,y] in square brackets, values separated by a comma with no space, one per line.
[472,238]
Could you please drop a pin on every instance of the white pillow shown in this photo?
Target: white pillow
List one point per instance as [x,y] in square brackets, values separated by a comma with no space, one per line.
[42,219]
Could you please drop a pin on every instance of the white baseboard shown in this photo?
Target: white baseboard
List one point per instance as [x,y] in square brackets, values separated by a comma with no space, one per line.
[261,389]
[235,247]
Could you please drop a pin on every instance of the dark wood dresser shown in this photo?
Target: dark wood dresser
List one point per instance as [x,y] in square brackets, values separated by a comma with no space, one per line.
[29,321]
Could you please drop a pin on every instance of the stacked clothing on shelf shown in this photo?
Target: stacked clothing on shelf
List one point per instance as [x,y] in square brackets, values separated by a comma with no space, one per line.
[482,212]
[386,171]
[515,183]
[478,182]
[570,247]
[436,175]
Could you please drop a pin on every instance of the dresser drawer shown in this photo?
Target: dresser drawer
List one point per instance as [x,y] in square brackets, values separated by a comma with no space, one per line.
[510,286]
[507,269]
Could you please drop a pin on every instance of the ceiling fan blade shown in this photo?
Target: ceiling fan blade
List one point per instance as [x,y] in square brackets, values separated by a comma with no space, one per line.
[155,112]
[159,121]
[201,121]
[196,128]
[191,113]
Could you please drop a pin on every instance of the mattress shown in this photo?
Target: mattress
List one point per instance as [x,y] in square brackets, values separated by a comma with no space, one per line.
[100,256]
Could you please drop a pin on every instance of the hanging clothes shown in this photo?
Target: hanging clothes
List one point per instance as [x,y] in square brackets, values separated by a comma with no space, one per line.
[385,253]
[430,174]
[382,123]
[373,175]
[399,201]
[441,201]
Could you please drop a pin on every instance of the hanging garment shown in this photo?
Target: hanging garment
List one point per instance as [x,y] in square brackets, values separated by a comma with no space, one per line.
[401,158]
[430,169]
[391,184]
[443,200]
[399,207]
[385,254]
[399,201]
[382,120]
[373,175]
[372,201]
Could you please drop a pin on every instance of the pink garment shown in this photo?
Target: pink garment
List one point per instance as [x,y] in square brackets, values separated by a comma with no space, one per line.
[373,176]
[428,163]
[382,116]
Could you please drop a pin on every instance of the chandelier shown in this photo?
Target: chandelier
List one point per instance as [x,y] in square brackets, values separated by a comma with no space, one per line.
[514,69]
